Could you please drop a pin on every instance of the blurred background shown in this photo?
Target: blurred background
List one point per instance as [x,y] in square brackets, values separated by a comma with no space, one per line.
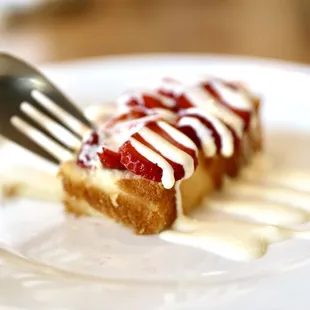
[59,30]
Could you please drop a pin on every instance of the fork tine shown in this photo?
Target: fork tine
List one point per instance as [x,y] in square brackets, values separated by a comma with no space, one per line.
[52,116]
[66,104]
[21,139]
[39,127]
[35,79]
[62,114]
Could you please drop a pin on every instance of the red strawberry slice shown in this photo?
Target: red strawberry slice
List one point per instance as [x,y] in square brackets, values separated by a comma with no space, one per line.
[178,169]
[110,159]
[245,115]
[140,165]
[191,133]
[132,102]
[170,88]
[237,140]
[151,100]
[153,126]
[86,155]
[167,93]
[183,103]
[134,113]
[93,139]
[85,162]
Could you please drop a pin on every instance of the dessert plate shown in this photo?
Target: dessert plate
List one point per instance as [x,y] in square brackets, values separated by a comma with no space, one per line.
[49,260]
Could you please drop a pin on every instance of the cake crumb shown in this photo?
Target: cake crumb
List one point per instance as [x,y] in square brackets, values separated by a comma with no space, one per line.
[114,200]
[11,190]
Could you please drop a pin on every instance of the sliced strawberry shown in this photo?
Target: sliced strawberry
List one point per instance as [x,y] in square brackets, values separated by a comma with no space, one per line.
[178,169]
[245,115]
[191,133]
[237,140]
[132,103]
[87,153]
[138,164]
[110,159]
[170,88]
[134,113]
[183,103]
[93,139]
[84,162]
[151,102]
[153,126]
[167,93]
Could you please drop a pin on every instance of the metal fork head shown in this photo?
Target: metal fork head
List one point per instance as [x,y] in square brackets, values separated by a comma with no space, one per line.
[25,94]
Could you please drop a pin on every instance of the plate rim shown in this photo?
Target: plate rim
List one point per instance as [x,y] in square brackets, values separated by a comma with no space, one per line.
[246,60]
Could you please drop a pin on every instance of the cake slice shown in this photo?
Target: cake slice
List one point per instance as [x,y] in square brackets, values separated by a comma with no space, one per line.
[162,153]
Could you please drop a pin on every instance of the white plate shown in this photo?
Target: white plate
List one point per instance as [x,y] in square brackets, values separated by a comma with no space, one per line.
[52,261]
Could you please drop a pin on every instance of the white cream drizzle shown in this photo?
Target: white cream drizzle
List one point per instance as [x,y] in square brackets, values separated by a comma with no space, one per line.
[138,96]
[165,114]
[172,86]
[268,212]
[178,136]
[255,216]
[204,134]
[171,152]
[128,96]
[233,239]
[88,153]
[200,98]
[227,140]
[168,172]
[238,99]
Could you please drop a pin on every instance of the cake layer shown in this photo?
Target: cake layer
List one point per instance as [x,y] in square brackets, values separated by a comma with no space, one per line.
[147,206]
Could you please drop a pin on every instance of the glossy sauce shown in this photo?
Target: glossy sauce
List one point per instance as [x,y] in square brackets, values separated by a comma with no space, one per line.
[198,96]
[204,133]
[249,223]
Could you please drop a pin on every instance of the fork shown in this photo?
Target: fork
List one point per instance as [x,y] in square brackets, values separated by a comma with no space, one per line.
[37,115]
